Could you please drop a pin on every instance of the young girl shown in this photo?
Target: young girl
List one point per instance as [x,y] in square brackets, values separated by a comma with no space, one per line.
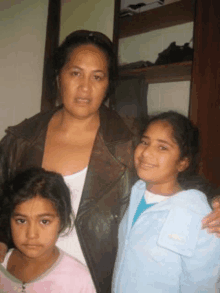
[162,247]
[37,209]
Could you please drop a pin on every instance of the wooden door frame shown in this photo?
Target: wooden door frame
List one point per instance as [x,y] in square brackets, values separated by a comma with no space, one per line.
[48,97]
[205,86]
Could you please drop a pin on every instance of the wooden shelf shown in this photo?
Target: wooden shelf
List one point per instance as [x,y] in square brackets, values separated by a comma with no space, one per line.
[168,15]
[163,73]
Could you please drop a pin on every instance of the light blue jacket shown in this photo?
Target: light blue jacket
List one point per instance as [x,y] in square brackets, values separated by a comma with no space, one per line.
[166,251]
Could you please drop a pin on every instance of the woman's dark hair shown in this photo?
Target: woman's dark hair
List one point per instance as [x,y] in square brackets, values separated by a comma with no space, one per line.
[36,182]
[85,37]
[187,137]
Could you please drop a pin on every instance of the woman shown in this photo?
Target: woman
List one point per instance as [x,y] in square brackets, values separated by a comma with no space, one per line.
[84,138]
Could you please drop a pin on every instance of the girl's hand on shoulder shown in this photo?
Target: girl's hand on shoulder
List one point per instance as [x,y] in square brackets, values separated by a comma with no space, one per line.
[212,221]
[3,251]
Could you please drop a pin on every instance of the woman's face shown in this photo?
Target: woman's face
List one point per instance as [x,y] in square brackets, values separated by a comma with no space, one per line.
[83,81]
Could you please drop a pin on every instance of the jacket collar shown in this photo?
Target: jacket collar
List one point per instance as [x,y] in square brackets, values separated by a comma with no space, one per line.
[105,169]
[112,127]
[181,216]
[32,128]
[103,172]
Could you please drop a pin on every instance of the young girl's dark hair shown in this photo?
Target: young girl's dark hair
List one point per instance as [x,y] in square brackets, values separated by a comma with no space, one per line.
[85,37]
[36,182]
[187,137]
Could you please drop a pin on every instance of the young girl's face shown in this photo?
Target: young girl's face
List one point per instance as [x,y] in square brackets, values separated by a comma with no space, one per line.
[157,159]
[35,227]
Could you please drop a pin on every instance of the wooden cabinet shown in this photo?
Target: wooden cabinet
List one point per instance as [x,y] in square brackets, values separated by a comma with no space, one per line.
[163,73]
[165,16]
[168,15]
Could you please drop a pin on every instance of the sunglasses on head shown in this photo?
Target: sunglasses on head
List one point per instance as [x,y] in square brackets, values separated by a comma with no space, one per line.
[91,35]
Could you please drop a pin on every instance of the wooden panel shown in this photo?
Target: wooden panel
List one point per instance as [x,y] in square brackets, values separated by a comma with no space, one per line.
[163,73]
[205,94]
[158,18]
[116,26]
[48,98]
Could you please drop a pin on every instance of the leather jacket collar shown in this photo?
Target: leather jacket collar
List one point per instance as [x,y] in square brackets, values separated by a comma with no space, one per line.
[112,127]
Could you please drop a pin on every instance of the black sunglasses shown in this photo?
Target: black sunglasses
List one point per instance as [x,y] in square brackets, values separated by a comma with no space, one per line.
[90,35]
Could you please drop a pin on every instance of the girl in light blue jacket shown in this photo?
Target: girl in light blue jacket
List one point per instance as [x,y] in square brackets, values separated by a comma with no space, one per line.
[162,247]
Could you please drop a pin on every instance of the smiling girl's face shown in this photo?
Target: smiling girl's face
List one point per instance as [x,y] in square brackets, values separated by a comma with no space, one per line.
[35,226]
[157,159]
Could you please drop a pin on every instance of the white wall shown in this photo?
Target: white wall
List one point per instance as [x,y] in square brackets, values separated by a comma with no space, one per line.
[163,96]
[96,15]
[23,32]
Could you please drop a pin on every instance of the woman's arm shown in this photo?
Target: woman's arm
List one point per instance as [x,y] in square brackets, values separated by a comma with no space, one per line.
[3,251]
[5,158]
[8,152]
[212,221]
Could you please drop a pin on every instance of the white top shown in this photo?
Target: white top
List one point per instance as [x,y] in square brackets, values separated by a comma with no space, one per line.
[151,197]
[66,275]
[70,243]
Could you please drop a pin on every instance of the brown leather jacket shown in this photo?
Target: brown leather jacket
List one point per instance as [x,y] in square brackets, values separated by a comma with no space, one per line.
[106,192]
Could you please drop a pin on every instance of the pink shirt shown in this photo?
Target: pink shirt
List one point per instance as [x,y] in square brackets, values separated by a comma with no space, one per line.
[67,275]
